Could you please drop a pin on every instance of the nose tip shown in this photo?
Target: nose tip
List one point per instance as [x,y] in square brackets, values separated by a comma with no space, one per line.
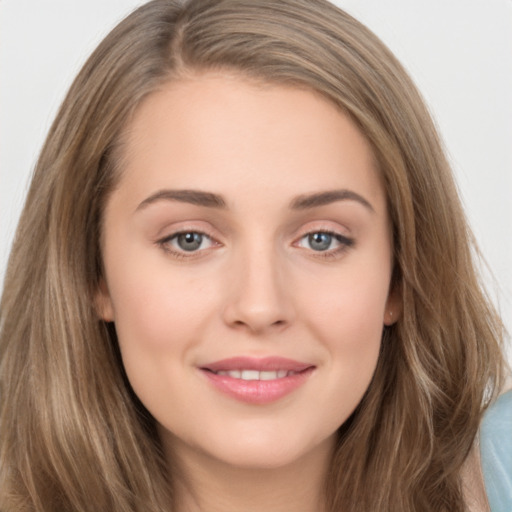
[257,321]
[258,299]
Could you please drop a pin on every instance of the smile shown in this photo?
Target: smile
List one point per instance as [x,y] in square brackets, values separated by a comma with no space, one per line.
[256,375]
[257,381]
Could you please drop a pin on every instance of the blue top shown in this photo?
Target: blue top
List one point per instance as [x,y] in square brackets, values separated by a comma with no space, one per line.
[496,453]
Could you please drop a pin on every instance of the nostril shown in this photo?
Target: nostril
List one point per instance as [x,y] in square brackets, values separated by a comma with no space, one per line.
[259,325]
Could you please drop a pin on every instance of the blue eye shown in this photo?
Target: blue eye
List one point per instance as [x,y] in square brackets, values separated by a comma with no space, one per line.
[189,241]
[322,241]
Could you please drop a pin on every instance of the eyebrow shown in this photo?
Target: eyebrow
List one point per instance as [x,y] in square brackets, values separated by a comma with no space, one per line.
[304,202]
[211,200]
[196,197]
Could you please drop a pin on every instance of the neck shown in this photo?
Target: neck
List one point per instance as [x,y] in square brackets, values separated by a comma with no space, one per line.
[204,484]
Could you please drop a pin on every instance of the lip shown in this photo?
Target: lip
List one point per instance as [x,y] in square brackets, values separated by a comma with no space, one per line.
[257,391]
[255,363]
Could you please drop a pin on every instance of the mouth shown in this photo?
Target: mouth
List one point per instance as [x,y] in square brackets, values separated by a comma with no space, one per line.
[255,374]
[257,381]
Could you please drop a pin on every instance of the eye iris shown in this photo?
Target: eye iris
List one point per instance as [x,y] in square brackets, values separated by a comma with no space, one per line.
[320,241]
[190,241]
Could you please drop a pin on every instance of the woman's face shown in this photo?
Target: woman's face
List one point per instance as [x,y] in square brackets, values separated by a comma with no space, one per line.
[248,256]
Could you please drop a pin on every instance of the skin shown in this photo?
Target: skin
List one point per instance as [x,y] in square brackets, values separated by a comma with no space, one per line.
[256,286]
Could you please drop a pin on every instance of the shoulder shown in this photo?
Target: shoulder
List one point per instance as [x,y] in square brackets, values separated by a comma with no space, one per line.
[496,453]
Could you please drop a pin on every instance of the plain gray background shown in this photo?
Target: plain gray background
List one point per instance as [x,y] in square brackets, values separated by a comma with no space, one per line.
[458,52]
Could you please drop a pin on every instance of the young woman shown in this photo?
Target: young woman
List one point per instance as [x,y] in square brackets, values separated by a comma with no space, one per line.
[243,280]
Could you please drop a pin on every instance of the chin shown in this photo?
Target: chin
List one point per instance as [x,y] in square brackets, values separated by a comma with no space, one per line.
[256,451]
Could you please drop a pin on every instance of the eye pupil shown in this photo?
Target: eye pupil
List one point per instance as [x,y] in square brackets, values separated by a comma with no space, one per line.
[190,241]
[320,241]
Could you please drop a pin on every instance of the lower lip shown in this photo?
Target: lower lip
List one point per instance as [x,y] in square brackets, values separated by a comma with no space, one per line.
[258,391]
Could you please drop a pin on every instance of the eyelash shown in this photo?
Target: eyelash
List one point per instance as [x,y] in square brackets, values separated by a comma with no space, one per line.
[345,244]
[165,244]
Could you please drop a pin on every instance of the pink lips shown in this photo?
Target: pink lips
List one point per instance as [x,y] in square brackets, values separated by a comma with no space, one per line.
[257,380]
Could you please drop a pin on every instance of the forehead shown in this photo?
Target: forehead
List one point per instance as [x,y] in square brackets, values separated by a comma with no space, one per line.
[220,131]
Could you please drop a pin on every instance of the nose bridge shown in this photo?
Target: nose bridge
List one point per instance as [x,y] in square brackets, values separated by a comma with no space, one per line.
[258,297]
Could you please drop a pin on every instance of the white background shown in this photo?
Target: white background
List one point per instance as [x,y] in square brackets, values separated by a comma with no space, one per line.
[459,52]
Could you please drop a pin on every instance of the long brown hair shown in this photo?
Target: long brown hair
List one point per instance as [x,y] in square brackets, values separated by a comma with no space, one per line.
[73,435]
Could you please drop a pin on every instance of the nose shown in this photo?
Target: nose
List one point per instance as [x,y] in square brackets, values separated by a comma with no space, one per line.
[259,294]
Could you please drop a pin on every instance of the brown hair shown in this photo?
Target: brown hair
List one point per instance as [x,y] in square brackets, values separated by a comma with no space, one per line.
[73,435]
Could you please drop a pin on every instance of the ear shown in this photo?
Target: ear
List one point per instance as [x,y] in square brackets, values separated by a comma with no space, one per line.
[394,305]
[103,302]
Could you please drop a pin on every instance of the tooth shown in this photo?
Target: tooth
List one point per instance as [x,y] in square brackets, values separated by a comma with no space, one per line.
[256,375]
[250,374]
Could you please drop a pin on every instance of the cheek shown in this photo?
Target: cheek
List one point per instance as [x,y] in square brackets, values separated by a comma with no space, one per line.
[154,312]
[349,325]
[347,315]
[156,319]
[350,302]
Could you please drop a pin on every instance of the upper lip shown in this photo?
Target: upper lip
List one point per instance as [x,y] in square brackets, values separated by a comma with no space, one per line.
[254,363]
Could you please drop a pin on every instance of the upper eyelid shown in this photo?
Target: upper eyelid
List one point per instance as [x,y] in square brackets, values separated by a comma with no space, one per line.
[184,231]
[169,232]
[204,228]
[165,242]
[323,227]
[324,230]
[338,236]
